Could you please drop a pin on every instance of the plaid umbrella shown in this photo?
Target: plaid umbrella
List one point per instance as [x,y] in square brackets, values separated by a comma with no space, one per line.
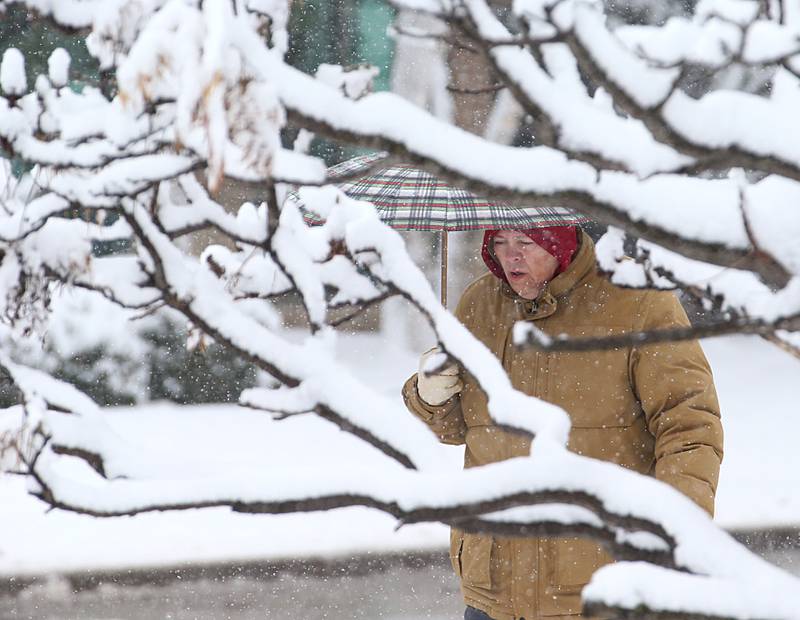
[408,198]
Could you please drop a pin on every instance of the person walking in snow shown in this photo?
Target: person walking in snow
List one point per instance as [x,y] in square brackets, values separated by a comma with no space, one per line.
[651,408]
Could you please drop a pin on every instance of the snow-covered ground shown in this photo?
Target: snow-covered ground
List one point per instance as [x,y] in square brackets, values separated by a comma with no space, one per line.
[760,485]
[760,479]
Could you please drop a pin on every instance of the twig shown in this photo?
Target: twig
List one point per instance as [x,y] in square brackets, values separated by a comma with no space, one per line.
[673,334]
[363,306]
[475,91]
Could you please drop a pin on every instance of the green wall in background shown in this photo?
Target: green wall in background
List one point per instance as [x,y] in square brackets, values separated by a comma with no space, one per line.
[345,32]
[375,46]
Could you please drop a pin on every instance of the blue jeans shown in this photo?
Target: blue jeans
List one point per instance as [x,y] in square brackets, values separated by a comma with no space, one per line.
[470,613]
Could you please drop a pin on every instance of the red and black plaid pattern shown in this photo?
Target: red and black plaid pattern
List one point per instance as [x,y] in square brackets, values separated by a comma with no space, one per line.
[408,198]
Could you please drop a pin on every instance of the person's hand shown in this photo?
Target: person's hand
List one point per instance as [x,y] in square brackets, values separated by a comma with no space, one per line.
[437,387]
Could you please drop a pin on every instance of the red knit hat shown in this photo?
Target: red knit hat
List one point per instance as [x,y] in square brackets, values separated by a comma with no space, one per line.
[559,241]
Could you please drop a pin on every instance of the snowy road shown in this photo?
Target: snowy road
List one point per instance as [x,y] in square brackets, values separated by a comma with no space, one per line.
[398,592]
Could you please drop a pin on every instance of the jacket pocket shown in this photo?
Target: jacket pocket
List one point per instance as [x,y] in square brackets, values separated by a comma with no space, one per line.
[574,561]
[471,556]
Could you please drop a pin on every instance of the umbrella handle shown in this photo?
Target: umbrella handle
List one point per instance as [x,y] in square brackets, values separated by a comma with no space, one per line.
[443,283]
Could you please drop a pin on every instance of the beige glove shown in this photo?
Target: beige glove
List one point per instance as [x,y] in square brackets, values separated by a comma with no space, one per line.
[436,388]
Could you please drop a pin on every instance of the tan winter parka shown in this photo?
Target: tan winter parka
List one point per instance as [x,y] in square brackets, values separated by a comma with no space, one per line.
[650,408]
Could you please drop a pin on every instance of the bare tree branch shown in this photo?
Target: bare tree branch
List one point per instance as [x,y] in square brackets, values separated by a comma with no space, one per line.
[603,611]
[540,342]
[767,268]
[712,159]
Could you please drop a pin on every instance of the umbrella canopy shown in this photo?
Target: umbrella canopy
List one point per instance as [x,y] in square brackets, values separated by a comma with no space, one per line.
[408,198]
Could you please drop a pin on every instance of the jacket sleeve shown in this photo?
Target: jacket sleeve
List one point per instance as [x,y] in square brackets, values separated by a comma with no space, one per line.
[444,420]
[674,385]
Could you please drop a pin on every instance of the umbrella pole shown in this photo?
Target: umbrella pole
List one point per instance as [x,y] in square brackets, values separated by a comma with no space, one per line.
[443,283]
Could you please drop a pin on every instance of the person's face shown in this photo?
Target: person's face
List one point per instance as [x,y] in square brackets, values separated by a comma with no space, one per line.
[526,265]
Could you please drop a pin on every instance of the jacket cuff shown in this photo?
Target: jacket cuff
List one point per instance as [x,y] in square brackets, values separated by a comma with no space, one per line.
[424,411]
[444,420]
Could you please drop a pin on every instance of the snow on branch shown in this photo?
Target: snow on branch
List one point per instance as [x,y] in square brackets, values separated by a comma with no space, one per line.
[633,516]
[203,94]
[386,122]
[576,123]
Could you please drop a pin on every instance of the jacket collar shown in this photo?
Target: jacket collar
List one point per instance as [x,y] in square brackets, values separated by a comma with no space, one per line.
[547,301]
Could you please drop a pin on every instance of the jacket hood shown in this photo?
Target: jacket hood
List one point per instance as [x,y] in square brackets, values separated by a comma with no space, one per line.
[560,242]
